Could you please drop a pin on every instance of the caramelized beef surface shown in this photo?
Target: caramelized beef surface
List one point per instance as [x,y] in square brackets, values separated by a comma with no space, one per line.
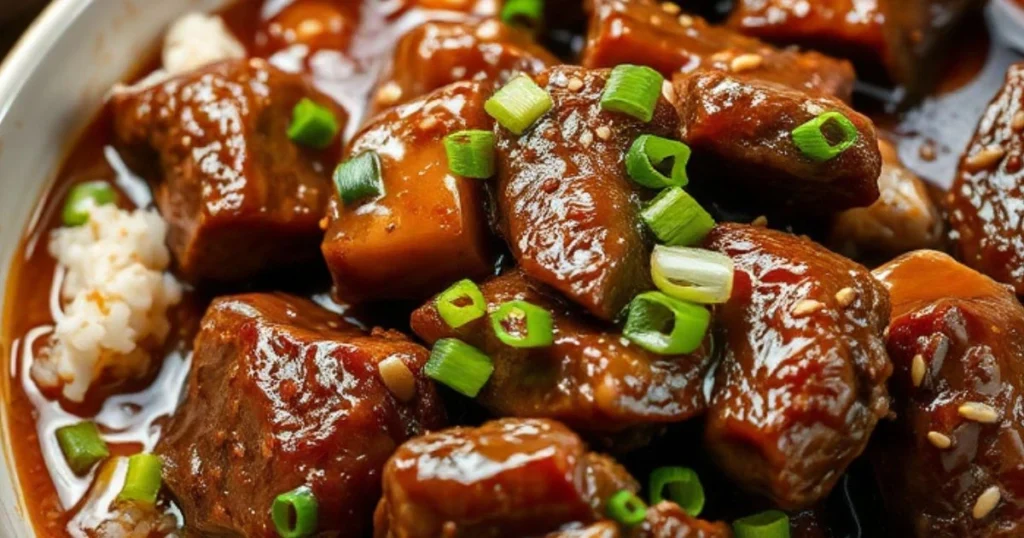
[668,520]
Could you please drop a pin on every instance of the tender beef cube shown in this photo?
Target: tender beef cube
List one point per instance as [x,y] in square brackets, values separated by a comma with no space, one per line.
[904,218]
[438,53]
[740,133]
[429,228]
[668,520]
[985,209]
[900,38]
[589,378]
[314,24]
[239,196]
[802,378]
[951,464]
[568,211]
[283,394]
[508,478]
[643,32]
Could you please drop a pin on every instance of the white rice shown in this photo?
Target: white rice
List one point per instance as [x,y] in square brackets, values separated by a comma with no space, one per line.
[115,294]
[195,40]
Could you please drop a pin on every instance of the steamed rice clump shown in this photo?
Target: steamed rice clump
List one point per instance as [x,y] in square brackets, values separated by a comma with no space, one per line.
[197,39]
[115,295]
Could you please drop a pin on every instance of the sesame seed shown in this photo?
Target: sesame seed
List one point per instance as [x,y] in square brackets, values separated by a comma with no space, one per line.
[389,93]
[986,158]
[940,441]
[1017,123]
[428,123]
[655,20]
[586,138]
[670,8]
[603,132]
[575,84]
[488,30]
[978,412]
[397,377]
[761,221]
[807,306]
[885,332]
[746,62]
[987,501]
[686,20]
[846,296]
[917,370]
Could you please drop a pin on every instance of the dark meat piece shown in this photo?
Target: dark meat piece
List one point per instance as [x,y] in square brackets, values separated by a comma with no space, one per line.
[239,196]
[508,478]
[952,465]
[985,209]
[740,132]
[429,227]
[802,379]
[315,24]
[643,32]
[668,520]
[589,378]
[438,53]
[283,394]
[904,218]
[569,212]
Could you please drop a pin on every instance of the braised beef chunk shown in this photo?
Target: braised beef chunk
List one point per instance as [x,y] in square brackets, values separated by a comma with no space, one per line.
[802,379]
[284,394]
[643,32]
[568,211]
[428,228]
[438,53]
[952,460]
[588,378]
[984,204]
[240,198]
[508,478]
[741,135]
[668,520]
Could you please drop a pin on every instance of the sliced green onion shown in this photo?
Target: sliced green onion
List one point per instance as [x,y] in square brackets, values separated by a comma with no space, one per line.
[656,162]
[684,488]
[142,483]
[82,446]
[359,177]
[626,508]
[810,137]
[82,197]
[770,524]
[632,90]
[676,218]
[461,303]
[523,324]
[312,125]
[470,153]
[518,104]
[295,513]
[459,365]
[528,14]
[665,325]
[692,274]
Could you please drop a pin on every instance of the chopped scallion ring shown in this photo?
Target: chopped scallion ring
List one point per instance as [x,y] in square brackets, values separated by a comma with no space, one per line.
[665,325]
[359,177]
[82,446]
[295,513]
[461,303]
[518,104]
[142,482]
[770,524]
[633,90]
[459,365]
[470,153]
[312,125]
[626,508]
[656,162]
[528,14]
[692,274]
[523,324]
[676,218]
[684,488]
[811,140]
[84,196]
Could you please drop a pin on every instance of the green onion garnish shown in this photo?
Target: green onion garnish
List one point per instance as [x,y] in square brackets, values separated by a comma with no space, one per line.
[312,125]
[692,274]
[527,14]
[656,162]
[470,153]
[295,513]
[632,90]
[82,197]
[518,104]
[82,446]
[810,137]
[359,177]
[523,324]
[684,488]
[461,303]
[676,218]
[626,508]
[142,482]
[770,524]
[459,365]
[665,325]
